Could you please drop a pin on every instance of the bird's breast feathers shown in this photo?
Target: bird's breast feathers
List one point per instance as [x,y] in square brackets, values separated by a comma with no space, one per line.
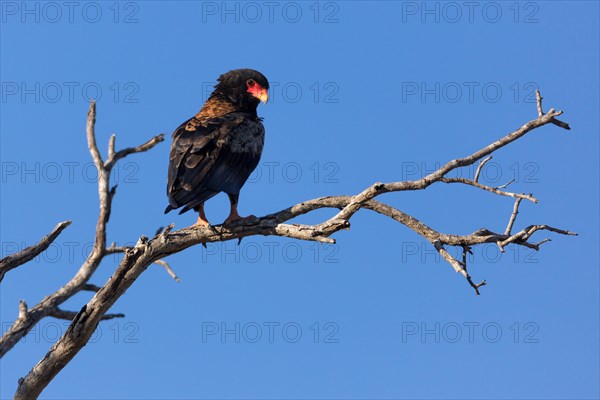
[237,132]
[248,137]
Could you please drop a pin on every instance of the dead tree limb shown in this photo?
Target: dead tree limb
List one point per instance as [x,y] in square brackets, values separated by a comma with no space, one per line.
[148,251]
[14,260]
[30,317]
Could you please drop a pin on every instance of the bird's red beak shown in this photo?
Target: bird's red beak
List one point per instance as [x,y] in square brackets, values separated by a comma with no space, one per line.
[259,92]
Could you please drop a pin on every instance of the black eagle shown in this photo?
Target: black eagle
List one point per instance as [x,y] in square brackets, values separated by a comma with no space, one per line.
[217,149]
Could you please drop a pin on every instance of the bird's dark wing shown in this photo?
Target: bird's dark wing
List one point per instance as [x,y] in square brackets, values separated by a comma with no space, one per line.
[211,156]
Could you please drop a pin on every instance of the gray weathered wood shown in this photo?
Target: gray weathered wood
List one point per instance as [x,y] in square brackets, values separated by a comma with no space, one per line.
[166,242]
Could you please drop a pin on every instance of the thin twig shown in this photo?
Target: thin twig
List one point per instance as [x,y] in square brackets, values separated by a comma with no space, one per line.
[513,217]
[489,188]
[111,147]
[27,254]
[91,288]
[168,269]
[480,166]
[506,184]
[539,98]
[132,150]
[70,315]
[91,135]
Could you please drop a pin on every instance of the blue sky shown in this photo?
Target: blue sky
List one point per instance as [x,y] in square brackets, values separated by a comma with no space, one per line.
[361,92]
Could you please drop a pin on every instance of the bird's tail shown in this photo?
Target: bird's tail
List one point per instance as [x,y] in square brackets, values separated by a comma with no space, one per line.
[185,209]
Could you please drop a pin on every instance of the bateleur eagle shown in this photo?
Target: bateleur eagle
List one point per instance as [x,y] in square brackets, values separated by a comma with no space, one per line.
[217,149]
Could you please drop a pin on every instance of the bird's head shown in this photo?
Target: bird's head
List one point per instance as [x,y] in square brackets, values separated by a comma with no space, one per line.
[245,87]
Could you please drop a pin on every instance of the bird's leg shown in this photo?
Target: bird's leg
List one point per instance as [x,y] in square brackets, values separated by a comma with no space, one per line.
[233,214]
[202,221]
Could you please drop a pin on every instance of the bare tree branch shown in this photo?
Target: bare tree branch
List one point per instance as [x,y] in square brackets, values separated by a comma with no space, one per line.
[131,150]
[149,251]
[489,188]
[480,167]
[14,260]
[90,287]
[70,315]
[513,217]
[539,98]
[168,269]
[504,186]
[22,309]
[523,235]
[118,249]
[22,326]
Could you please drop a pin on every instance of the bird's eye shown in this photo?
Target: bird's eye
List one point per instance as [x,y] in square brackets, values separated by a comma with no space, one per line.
[250,82]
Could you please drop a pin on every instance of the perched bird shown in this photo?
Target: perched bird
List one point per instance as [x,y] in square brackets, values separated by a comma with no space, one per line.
[217,149]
